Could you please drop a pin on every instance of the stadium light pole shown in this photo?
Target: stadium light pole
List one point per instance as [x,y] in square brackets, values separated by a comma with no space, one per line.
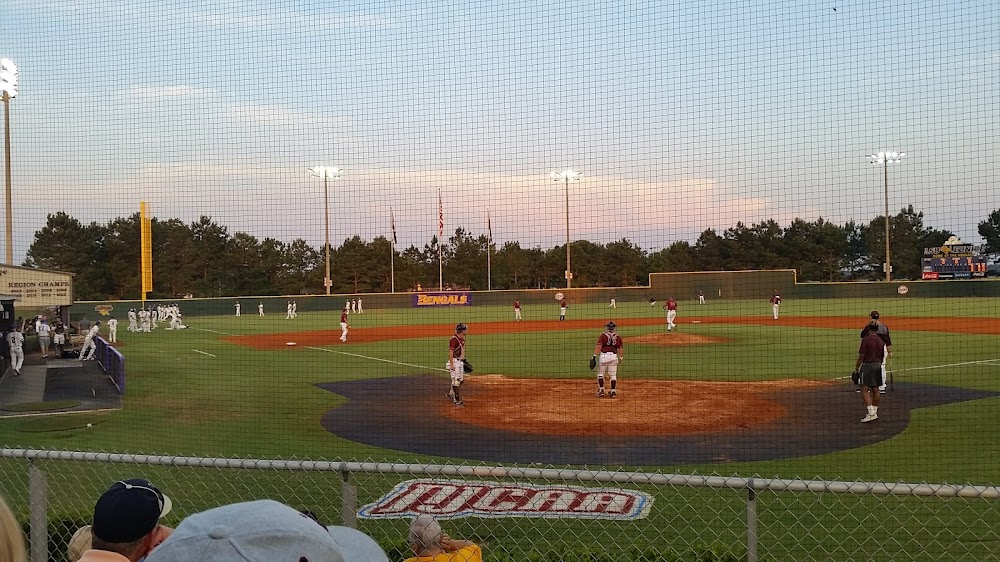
[8,85]
[567,176]
[327,173]
[884,159]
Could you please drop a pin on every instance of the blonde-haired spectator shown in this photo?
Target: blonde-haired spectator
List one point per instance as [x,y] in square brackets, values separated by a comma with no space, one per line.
[11,537]
[431,544]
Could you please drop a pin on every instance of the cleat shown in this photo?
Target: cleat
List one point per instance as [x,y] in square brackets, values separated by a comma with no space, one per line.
[451,395]
[881,391]
[600,393]
[857,389]
[460,402]
[869,418]
[613,394]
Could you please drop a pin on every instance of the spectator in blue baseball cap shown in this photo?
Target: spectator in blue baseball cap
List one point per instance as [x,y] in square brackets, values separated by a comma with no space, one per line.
[126,525]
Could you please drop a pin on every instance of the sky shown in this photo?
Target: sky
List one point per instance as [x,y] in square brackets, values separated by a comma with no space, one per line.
[680,115]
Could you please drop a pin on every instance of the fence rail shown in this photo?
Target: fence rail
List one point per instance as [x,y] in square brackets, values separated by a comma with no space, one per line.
[758,518]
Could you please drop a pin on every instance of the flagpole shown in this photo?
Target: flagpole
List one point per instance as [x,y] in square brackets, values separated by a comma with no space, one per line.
[392,246]
[440,236]
[489,253]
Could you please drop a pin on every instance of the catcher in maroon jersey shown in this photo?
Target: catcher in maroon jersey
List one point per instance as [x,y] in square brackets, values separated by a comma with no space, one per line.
[455,364]
[608,354]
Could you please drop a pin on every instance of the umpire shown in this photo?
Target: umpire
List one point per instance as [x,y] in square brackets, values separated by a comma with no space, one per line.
[883,332]
[868,370]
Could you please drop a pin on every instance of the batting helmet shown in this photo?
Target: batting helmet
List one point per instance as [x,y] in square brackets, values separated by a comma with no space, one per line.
[461,328]
[874,315]
[611,326]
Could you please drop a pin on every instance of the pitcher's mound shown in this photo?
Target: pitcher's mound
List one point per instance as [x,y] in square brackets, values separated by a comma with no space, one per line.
[676,338]
[641,408]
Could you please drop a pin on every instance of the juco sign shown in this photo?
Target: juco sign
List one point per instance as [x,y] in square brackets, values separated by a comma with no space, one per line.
[442,299]
[448,499]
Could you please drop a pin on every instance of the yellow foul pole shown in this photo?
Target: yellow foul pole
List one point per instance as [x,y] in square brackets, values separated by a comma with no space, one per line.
[146,254]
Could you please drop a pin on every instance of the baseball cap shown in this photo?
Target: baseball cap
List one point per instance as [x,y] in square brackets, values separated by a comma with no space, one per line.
[128,511]
[263,531]
[874,315]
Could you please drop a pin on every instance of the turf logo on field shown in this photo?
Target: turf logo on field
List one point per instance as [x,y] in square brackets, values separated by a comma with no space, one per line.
[449,499]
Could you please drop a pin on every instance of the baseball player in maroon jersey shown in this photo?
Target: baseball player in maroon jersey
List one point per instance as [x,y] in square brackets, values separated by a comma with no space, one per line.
[517,309]
[883,333]
[608,352]
[562,309]
[775,303]
[869,367]
[671,308]
[343,326]
[456,352]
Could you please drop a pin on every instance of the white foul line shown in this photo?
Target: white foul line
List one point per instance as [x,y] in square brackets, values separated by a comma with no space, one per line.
[202,352]
[375,358]
[213,331]
[983,361]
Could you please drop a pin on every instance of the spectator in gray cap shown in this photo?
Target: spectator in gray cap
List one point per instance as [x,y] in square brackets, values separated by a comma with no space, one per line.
[126,524]
[429,542]
[264,531]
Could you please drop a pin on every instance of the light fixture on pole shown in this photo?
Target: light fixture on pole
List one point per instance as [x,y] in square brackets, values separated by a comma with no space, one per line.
[884,159]
[8,86]
[567,176]
[327,173]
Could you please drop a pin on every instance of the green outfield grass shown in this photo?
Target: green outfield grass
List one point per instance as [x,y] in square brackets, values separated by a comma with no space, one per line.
[190,393]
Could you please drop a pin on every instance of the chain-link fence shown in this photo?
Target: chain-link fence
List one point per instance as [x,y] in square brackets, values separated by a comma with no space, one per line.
[601,515]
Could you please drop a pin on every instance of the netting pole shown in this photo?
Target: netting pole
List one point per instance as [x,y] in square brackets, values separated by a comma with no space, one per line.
[38,506]
[751,522]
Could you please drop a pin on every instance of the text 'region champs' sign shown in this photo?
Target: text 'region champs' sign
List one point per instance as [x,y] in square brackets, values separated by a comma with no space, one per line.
[36,287]
[442,299]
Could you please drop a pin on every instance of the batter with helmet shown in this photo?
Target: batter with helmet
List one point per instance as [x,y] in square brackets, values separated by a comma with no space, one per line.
[607,356]
[456,363]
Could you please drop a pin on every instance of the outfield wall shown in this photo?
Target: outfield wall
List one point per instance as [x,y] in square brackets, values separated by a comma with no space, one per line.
[683,286]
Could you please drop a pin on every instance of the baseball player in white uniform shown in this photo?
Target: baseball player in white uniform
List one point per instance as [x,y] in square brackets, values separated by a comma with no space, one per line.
[15,341]
[701,297]
[288,314]
[260,309]
[44,336]
[151,316]
[608,353]
[360,310]
[614,303]
[237,308]
[88,342]
[133,324]
[775,303]
[113,330]
[295,309]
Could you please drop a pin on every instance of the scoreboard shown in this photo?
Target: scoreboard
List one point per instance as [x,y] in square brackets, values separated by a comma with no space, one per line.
[958,261]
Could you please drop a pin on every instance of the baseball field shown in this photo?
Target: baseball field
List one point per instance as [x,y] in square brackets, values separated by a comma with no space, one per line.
[730,392]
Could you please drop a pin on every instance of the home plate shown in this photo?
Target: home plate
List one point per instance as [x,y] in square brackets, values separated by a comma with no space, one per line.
[290,343]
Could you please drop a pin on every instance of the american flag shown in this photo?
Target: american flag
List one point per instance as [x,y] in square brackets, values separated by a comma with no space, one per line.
[440,218]
[392,221]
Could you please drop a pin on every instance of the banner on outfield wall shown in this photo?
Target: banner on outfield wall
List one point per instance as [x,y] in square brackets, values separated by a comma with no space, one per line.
[36,288]
[449,499]
[442,299]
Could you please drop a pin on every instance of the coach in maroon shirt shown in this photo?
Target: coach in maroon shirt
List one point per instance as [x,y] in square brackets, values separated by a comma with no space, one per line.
[869,365]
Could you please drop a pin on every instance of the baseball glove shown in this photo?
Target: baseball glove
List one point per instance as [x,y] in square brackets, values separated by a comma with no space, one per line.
[593,362]
[466,366]
[856,377]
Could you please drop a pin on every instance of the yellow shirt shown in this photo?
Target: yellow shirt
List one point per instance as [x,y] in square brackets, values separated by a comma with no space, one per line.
[467,554]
